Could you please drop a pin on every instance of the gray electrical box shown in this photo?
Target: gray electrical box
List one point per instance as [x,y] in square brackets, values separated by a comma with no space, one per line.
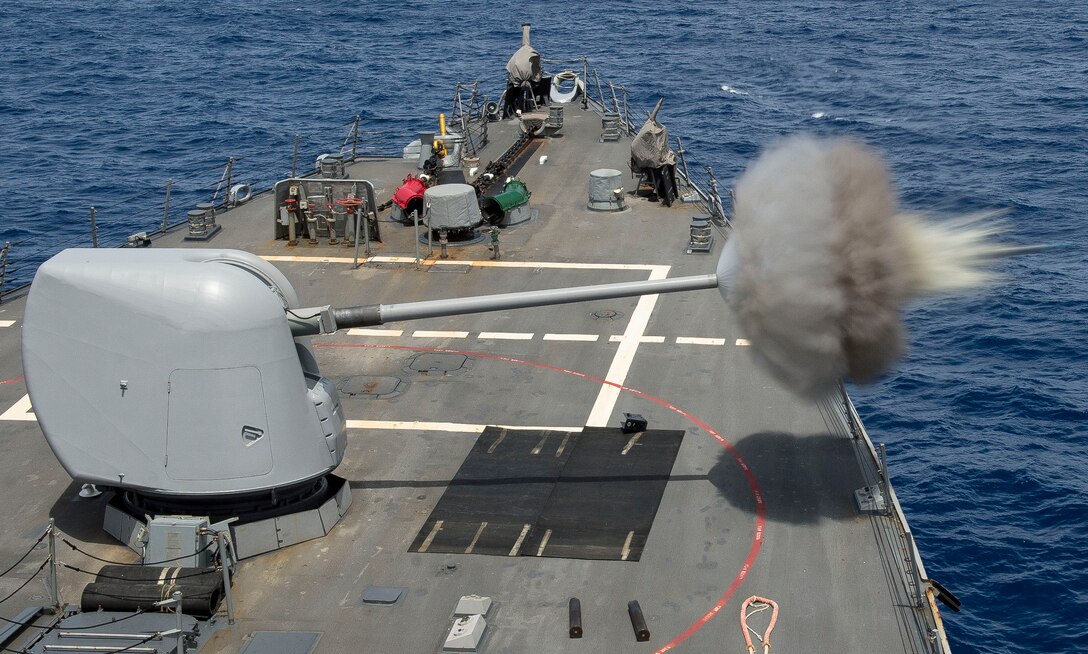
[178,541]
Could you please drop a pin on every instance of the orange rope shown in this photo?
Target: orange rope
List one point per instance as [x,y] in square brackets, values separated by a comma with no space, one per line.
[744,615]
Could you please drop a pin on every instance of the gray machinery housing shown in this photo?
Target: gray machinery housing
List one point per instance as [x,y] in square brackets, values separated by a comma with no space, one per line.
[174,372]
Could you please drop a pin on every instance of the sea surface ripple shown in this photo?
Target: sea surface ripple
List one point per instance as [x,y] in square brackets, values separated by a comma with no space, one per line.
[977,105]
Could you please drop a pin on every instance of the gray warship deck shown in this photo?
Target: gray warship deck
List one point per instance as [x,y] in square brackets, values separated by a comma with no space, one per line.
[759,499]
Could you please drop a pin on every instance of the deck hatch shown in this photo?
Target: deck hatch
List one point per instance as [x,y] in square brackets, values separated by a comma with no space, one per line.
[555,494]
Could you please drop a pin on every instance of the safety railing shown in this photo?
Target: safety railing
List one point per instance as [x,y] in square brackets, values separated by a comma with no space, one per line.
[132,219]
[917,583]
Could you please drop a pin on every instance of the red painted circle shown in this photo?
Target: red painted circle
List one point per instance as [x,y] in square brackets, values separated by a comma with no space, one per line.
[761,511]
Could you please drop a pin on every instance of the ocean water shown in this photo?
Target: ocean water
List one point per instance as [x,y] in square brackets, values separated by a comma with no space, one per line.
[976,105]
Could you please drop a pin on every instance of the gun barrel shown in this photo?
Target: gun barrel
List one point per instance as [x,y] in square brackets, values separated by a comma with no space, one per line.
[377,314]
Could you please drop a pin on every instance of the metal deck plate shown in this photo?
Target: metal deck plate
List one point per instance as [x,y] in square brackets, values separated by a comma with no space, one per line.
[588,495]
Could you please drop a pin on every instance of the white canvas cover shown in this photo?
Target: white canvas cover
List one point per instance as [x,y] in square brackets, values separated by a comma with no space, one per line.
[451,206]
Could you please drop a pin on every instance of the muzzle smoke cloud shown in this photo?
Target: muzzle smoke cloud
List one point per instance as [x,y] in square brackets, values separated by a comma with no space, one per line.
[822,262]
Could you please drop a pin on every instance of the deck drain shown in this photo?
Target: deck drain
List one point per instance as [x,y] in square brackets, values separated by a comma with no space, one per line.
[368,386]
[438,362]
[606,314]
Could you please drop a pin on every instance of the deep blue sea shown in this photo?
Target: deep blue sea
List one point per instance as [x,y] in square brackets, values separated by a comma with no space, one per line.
[976,106]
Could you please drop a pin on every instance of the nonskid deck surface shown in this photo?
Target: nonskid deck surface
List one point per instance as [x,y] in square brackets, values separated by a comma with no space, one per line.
[757,501]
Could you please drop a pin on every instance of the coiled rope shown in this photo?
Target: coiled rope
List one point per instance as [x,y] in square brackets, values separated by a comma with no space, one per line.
[758,604]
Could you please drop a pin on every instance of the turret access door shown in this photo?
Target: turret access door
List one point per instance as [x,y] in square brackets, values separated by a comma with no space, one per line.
[217,425]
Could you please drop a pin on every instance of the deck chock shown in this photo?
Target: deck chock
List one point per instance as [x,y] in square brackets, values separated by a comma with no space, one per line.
[870,500]
[465,634]
[575,611]
[633,422]
[638,622]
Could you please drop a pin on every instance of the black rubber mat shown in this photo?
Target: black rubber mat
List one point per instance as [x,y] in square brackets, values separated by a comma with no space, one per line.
[588,495]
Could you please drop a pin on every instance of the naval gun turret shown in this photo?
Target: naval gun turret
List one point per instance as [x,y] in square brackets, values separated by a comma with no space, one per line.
[185,378]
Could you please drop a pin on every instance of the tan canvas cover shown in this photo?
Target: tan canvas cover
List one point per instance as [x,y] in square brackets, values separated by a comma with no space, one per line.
[524,66]
[650,148]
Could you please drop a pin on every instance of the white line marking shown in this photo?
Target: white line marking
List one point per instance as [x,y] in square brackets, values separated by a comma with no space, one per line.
[21,410]
[430,537]
[419,425]
[502,435]
[363,331]
[557,265]
[472,545]
[6,323]
[563,445]
[631,443]
[520,540]
[507,336]
[424,333]
[743,342]
[589,338]
[695,340]
[618,338]
[303,259]
[626,546]
[540,445]
[601,413]
[543,542]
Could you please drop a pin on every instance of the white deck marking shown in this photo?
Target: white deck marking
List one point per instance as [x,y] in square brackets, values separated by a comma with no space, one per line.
[430,537]
[502,435]
[695,340]
[543,543]
[472,545]
[743,342]
[626,546]
[506,336]
[453,427]
[363,331]
[520,540]
[6,323]
[563,445]
[540,445]
[485,263]
[631,443]
[589,338]
[426,333]
[557,265]
[601,414]
[21,410]
[618,338]
[305,259]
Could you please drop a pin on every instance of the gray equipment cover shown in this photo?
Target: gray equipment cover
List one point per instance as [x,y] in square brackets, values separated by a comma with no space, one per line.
[174,371]
[650,148]
[451,206]
[524,66]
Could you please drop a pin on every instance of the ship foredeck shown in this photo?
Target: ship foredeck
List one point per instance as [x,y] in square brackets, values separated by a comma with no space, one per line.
[758,501]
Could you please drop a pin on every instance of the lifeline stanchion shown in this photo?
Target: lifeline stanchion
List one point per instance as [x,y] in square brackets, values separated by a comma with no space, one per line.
[221,538]
[54,589]
[759,605]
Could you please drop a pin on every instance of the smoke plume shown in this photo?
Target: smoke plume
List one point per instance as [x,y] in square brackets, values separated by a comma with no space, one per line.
[822,262]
